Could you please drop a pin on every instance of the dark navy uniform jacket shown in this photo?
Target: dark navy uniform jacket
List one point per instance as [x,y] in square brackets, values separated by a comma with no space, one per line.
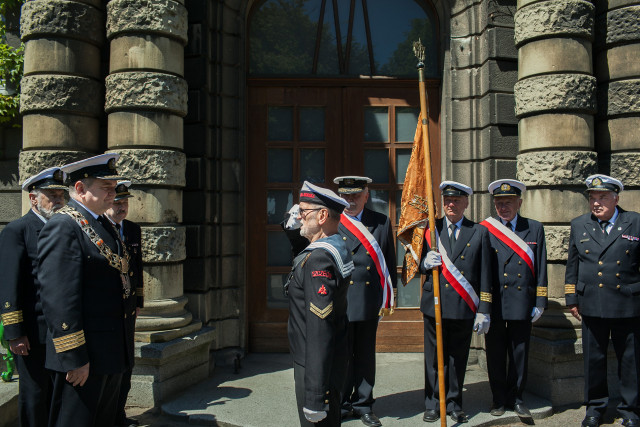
[365,291]
[318,322]
[519,290]
[83,300]
[133,239]
[472,256]
[602,274]
[19,290]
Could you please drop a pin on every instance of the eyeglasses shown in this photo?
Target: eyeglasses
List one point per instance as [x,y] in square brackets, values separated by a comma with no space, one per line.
[303,214]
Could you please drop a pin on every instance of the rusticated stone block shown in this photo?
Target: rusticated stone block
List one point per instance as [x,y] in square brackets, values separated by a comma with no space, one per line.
[163,244]
[60,18]
[155,206]
[144,128]
[9,178]
[619,134]
[10,207]
[62,56]
[622,25]
[61,131]
[153,167]
[550,168]
[33,162]
[556,55]
[150,52]
[554,18]
[146,90]
[549,93]
[552,205]
[164,17]
[624,166]
[620,97]
[58,93]
[619,62]
[557,238]
[555,131]
[630,199]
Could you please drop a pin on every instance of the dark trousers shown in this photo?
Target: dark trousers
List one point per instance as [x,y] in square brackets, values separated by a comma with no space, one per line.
[625,336]
[34,387]
[333,415]
[357,394]
[456,339]
[507,359]
[125,386]
[92,405]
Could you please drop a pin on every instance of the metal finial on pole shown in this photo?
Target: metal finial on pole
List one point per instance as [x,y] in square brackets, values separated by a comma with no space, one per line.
[418,51]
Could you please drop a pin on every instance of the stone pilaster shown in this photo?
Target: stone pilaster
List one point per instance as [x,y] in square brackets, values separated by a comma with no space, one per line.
[618,72]
[555,104]
[61,92]
[146,100]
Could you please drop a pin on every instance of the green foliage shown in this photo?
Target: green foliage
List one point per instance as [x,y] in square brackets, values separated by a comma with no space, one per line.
[11,67]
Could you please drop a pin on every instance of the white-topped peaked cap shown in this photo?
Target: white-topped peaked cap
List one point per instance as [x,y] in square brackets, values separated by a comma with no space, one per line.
[507,187]
[453,188]
[601,182]
[322,196]
[102,166]
[52,178]
[122,190]
[351,184]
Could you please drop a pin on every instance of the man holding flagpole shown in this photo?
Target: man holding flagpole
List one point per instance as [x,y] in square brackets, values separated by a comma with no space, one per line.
[519,297]
[369,238]
[464,263]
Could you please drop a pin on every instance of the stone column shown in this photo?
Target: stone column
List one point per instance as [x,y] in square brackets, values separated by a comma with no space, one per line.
[146,99]
[618,73]
[61,94]
[555,105]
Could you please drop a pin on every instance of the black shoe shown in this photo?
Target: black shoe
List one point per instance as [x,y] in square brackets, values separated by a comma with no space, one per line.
[521,410]
[497,410]
[590,421]
[370,420]
[431,416]
[128,422]
[630,422]
[459,416]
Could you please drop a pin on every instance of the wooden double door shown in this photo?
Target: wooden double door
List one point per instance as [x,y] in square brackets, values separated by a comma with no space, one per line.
[316,131]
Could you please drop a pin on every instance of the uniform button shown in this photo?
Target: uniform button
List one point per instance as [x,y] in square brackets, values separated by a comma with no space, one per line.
[344,238]
[326,401]
[125,315]
[131,273]
[519,288]
[468,245]
[600,285]
[496,251]
[461,256]
[600,273]
[618,262]
[519,275]
[368,267]
[587,251]
[367,252]
[627,252]
[327,392]
[600,263]
[519,262]
[366,283]
[505,274]
[617,286]
[617,274]
[446,285]
[353,253]
[351,282]
[505,286]
[462,272]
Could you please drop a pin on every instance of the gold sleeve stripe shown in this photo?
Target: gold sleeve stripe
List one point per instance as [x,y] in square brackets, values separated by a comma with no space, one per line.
[486,297]
[69,342]
[569,289]
[541,291]
[321,313]
[12,318]
[140,292]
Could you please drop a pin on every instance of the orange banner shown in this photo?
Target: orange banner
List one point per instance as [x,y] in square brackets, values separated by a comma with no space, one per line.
[414,208]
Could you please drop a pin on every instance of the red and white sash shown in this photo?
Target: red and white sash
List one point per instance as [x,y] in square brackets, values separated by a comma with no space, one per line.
[369,242]
[454,277]
[511,239]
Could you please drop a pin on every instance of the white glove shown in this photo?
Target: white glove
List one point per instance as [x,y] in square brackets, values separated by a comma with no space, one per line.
[314,416]
[291,218]
[432,260]
[482,323]
[536,313]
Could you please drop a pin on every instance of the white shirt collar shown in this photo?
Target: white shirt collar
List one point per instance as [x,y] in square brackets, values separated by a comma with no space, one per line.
[43,219]
[458,224]
[93,214]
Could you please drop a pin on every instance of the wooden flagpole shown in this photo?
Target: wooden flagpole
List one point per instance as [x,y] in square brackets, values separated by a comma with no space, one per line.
[419,51]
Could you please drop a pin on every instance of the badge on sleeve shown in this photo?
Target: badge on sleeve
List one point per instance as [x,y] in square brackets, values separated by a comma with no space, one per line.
[322,290]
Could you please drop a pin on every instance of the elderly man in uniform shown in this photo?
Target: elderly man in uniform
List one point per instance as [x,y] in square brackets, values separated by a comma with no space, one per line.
[87,300]
[317,289]
[369,237]
[24,325]
[520,297]
[465,271]
[131,235]
[603,291]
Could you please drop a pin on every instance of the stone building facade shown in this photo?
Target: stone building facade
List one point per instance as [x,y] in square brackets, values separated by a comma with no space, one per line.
[548,91]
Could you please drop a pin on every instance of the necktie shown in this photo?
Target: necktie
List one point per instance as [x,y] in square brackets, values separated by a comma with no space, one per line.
[604,225]
[452,235]
[509,226]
